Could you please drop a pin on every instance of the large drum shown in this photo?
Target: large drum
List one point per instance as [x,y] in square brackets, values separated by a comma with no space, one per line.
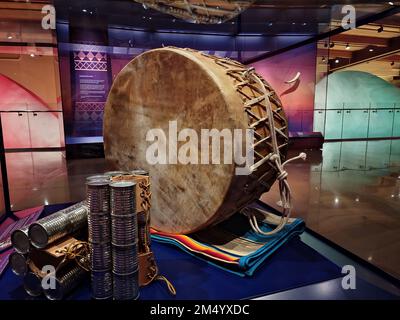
[194,91]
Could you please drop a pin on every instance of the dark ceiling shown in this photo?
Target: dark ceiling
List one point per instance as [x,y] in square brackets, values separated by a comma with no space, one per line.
[270,17]
[299,21]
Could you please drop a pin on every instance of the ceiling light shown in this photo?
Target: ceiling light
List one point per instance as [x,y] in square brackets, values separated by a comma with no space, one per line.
[323,59]
[304,23]
[371,50]
[391,3]
[337,61]
[32,55]
[347,47]
[9,37]
[380,29]
[270,24]
[84,10]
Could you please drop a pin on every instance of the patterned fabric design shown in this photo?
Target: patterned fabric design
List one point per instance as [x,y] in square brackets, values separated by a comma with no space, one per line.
[90,61]
[89,111]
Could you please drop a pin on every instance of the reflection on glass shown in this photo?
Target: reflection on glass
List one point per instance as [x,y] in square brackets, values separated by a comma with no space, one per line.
[378,154]
[380,123]
[355,124]
[331,156]
[351,195]
[334,124]
[36,177]
[358,123]
[2,205]
[352,155]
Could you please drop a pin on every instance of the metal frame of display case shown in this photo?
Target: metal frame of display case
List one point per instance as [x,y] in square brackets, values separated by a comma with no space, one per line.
[3,167]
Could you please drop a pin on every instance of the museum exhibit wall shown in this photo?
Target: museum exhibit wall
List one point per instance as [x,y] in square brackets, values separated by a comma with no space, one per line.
[30,95]
[85,81]
[30,106]
[83,110]
[297,97]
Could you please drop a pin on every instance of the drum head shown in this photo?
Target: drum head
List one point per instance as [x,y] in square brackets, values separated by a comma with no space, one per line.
[158,90]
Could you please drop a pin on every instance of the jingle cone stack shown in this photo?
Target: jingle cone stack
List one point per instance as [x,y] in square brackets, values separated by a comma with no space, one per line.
[46,245]
[113,237]
[99,234]
[124,240]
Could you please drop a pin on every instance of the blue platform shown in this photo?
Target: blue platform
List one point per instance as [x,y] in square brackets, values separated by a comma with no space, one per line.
[295,266]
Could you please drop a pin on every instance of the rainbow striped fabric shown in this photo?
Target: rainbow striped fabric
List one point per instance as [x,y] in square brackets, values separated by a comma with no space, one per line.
[232,245]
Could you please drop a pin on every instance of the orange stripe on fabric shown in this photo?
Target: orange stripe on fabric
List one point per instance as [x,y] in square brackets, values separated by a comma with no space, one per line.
[197,247]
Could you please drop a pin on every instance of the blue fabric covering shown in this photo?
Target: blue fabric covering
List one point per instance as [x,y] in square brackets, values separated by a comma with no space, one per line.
[294,265]
[239,225]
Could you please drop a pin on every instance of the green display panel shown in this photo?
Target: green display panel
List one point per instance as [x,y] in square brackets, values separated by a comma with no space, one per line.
[394,159]
[378,154]
[319,121]
[358,105]
[331,156]
[355,124]
[353,155]
[380,123]
[396,124]
[333,125]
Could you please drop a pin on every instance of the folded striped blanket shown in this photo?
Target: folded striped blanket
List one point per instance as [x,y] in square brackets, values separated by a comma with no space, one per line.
[232,245]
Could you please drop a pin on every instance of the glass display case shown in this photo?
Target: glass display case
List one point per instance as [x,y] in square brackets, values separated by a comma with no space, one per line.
[54,84]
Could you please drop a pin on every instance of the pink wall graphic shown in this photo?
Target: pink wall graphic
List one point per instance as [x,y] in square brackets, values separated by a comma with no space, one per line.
[297,97]
[35,129]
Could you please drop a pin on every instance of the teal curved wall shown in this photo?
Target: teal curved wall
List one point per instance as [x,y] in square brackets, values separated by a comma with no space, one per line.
[356,105]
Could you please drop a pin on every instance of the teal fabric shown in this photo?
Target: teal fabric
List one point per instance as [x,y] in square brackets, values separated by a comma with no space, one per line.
[239,225]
